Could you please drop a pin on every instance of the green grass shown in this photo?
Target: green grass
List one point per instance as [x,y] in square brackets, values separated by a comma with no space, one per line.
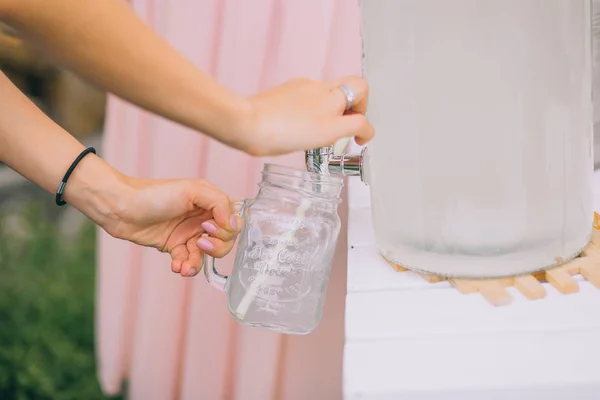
[47,314]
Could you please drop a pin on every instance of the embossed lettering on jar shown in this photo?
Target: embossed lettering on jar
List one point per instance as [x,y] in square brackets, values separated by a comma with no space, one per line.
[285,251]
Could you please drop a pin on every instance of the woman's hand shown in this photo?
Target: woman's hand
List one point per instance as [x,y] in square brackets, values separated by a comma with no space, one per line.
[169,214]
[172,215]
[302,114]
[298,115]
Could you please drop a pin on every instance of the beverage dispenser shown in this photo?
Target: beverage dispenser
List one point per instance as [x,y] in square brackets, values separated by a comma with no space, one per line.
[482,161]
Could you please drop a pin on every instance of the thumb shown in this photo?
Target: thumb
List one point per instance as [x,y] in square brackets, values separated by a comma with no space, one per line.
[351,125]
[209,197]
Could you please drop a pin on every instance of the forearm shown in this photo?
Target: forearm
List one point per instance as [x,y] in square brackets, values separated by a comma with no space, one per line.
[105,42]
[40,150]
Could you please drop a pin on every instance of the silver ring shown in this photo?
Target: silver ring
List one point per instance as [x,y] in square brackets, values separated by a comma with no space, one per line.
[350,96]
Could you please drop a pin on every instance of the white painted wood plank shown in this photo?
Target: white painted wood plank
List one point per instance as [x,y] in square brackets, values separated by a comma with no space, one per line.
[517,361]
[576,391]
[416,313]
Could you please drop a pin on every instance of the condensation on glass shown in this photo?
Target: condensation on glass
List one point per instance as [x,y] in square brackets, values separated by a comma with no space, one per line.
[482,161]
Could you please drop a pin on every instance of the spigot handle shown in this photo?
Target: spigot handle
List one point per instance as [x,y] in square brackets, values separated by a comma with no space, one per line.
[323,161]
[317,160]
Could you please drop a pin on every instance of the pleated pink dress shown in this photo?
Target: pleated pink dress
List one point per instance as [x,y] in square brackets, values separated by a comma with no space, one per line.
[170,337]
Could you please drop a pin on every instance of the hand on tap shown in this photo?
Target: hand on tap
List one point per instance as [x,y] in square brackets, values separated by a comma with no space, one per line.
[304,114]
[297,115]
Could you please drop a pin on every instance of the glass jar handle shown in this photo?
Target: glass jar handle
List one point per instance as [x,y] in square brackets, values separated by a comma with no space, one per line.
[210,272]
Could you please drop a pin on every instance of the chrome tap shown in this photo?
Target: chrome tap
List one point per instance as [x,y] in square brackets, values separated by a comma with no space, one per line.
[322,160]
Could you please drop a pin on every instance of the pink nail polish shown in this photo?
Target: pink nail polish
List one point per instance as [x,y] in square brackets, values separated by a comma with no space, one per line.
[205,244]
[233,222]
[208,227]
[191,272]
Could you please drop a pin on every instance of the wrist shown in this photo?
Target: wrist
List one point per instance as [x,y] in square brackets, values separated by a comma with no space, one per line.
[245,130]
[237,132]
[98,191]
[229,118]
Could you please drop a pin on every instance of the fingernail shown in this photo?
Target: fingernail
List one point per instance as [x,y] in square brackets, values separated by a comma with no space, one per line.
[208,227]
[191,272]
[205,244]
[233,222]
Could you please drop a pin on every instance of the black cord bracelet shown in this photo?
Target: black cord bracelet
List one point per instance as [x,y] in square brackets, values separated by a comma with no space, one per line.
[63,184]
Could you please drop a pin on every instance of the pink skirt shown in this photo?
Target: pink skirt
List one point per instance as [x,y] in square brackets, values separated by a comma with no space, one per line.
[170,337]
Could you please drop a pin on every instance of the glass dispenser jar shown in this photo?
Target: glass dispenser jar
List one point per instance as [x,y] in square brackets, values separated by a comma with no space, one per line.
[482,161]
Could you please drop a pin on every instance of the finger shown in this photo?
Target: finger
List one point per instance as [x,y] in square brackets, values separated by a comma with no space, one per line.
[193,264]
[215,247]
[353,125]
[359,88]
[235,222]
[209,197]
[218,232]
[179,254]
[365,134]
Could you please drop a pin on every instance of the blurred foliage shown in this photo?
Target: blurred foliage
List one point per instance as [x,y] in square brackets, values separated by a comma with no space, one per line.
[47,313]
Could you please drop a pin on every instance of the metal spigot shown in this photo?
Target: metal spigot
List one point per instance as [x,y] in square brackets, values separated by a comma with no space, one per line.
[323,161]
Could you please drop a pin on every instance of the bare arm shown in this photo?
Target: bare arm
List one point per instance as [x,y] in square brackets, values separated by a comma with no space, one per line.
[37,148]
[166,214]
[106,43]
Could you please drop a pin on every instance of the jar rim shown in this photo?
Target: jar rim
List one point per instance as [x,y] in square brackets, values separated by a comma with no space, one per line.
[312,177]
